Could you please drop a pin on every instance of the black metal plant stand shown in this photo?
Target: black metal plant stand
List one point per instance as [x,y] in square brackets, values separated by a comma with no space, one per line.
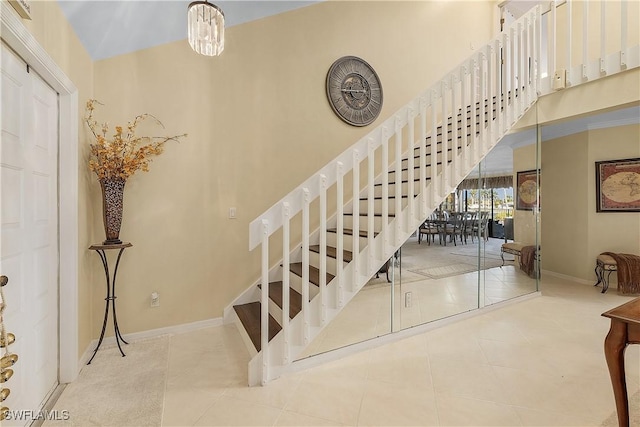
[111,293]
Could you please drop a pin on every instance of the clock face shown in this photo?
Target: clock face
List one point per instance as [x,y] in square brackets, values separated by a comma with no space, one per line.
[354,91]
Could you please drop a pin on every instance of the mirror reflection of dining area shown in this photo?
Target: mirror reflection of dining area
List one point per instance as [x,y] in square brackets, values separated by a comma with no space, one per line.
[454,228]
[475,210]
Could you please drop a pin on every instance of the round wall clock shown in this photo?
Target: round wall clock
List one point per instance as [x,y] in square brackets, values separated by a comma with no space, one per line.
[354,91]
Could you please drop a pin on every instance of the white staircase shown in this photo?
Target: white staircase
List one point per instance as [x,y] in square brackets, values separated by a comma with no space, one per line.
[399,173]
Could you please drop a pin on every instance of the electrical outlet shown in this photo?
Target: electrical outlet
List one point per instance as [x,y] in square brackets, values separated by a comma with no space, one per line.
[407,299]
[155,299]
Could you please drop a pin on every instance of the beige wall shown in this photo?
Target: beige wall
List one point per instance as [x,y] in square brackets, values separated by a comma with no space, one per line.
[524,222]
[52,31]
[573,233]
[259,124]
[564,193]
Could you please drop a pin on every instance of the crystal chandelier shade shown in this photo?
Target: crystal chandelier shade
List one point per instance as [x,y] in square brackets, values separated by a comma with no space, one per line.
[205,26]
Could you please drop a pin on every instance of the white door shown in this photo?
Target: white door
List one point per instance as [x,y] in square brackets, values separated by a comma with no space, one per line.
[29,232]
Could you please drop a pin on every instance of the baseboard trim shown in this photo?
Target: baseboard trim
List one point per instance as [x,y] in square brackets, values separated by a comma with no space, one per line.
[566,277]
[330,356]
[152,333]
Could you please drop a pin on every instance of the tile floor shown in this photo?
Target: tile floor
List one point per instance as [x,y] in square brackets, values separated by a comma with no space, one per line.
[537,362]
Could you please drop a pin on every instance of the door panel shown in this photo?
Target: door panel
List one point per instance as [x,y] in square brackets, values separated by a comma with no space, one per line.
[29,236]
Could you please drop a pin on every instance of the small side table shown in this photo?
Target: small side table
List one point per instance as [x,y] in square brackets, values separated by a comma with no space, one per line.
[111,292]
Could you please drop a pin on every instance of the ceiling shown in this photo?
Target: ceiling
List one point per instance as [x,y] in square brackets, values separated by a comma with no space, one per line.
[108,28]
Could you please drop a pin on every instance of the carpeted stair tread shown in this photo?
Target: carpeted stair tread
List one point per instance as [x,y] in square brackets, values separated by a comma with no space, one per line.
[295,299]
[332,252]
[349,232]
[249,315]
[314,273]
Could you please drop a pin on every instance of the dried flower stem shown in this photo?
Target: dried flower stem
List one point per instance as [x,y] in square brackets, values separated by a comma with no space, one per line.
[124,153]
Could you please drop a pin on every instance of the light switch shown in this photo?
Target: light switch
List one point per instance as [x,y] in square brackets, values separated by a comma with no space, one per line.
[232,213]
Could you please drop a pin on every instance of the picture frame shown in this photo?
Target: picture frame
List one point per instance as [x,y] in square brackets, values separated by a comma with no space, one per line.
[527,194]
[618,185]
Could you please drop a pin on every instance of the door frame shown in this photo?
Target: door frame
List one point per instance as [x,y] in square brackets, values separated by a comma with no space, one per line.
[18,38]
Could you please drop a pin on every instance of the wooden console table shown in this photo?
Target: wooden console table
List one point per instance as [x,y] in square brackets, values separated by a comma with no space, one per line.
[625,329]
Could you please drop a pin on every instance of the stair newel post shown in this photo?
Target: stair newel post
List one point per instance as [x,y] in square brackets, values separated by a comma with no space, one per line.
[453,113]
[603,37]
[411,166]
[340,233]
[585,45]
[356,220]
[423,156]
[490,95]
[464,75]
[531,49]
[624,29]
[497,90]
[370,205]
[323,248]
[482,140]
[526,37]
[305,264]
[435,178]
[512,77]
[385,187]
[536,39]
[569,26]
[504,92]
[286,223]
[264,303]
[445,138]
[521,75]
[398,193]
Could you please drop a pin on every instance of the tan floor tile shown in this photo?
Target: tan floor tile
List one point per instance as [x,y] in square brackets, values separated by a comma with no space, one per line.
[183,407]
[288,418]
[387,404]
[325,395]
[518,356]
[227,411]
[276,394]
[466,379]
[460,411]
[539,418]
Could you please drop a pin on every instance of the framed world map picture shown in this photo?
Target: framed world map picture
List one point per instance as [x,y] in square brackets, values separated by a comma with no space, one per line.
[618,185]
[527,190]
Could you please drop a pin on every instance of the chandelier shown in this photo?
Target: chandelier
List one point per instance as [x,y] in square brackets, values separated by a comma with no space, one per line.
[205,22]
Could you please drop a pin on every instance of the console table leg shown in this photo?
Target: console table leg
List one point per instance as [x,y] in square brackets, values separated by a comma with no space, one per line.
[111,298]
[116,329]
[614,346]
[103,258]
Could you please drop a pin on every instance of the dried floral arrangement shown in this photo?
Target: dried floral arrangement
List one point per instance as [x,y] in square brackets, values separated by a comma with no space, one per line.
[120,155]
